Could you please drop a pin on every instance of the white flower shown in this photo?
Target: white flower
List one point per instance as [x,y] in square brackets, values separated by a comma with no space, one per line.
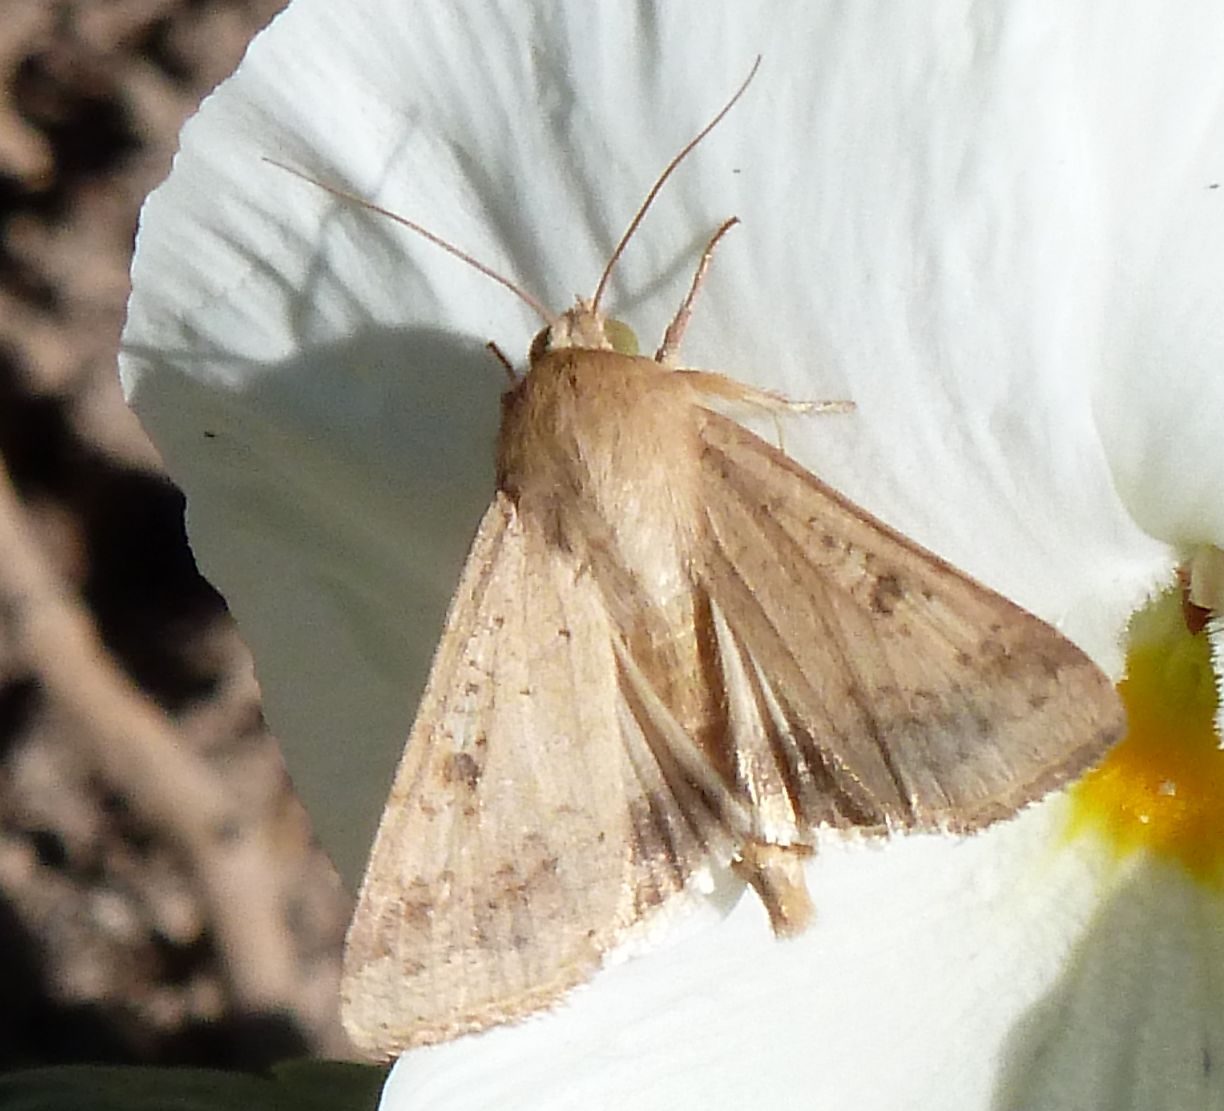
[997,229]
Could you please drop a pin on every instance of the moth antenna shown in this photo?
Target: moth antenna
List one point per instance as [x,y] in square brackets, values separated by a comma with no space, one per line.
[533,303]
[684,152]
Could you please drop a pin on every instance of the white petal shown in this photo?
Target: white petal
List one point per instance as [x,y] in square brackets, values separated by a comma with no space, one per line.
[937,223]
[918,235]
[1135,1020]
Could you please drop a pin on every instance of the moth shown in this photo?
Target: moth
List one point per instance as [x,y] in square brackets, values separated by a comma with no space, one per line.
[674,651]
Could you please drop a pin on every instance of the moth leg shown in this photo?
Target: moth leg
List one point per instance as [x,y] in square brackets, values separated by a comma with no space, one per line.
[802,407]
[776,874]
[507,365]
[674,336]
[730,389]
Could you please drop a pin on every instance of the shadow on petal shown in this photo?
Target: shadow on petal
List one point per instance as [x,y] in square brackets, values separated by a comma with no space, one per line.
[1136,1020]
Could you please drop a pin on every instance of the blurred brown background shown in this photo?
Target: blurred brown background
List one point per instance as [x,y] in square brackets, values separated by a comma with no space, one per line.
[161,896]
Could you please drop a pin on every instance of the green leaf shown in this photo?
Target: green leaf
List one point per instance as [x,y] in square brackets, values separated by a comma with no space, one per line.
[302,1085]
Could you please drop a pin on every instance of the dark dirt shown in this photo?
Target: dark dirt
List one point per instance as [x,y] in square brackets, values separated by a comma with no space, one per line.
[111,949]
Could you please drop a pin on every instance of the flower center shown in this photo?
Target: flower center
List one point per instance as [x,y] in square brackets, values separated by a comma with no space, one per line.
[1161,789]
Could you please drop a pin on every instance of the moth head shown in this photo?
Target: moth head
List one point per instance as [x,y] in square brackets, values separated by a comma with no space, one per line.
[584,327]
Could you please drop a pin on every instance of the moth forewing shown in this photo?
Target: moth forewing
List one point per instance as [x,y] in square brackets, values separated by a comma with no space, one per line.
[497,876]
[673,650]
[909,695]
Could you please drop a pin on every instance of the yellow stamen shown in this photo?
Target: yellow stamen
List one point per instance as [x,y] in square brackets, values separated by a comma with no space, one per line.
[1162,788]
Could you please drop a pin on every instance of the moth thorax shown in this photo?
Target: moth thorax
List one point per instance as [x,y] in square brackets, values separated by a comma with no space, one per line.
[600,448]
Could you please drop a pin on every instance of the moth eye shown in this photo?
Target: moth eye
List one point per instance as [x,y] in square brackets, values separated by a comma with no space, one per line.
[622,338]
[539,345]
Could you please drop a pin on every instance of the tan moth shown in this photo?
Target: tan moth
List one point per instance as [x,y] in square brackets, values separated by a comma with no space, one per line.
[672,649]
